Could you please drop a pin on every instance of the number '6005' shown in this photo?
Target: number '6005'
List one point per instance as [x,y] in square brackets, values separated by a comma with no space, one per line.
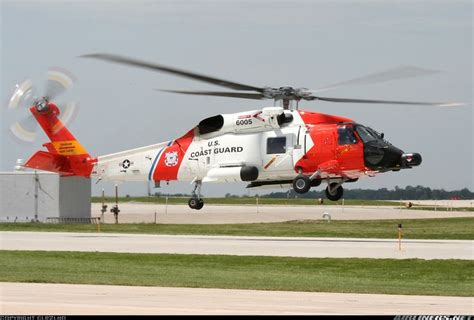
[243,122]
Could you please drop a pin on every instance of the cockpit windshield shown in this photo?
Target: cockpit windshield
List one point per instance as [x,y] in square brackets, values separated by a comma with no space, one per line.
[376,133]
[367,134]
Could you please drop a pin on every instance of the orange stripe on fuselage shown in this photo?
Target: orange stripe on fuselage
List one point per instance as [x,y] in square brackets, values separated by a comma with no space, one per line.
[270,162]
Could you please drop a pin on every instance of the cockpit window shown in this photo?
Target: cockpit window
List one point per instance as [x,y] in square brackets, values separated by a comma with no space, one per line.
[375,133]
[366,134]
[346,136]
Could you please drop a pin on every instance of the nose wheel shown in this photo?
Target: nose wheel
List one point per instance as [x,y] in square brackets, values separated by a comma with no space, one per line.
[196,202]
[334,191]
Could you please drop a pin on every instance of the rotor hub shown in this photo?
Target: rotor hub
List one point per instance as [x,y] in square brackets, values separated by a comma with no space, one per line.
[42,104]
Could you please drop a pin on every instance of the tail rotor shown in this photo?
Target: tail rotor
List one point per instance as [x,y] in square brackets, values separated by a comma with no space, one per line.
[58,83]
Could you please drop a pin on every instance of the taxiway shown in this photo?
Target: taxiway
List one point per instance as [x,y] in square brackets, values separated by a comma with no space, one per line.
[223,214]
[238,245]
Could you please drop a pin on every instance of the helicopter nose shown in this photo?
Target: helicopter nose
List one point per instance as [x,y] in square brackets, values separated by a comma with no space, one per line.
[380,155]
[411,159]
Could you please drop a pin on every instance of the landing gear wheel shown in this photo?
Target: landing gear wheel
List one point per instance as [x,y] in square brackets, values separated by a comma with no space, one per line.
[315,182]
[195,203]
[200,204]
[301,184]
[336,193]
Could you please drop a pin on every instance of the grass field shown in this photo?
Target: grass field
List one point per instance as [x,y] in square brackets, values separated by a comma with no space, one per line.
[418,277]
[449,228]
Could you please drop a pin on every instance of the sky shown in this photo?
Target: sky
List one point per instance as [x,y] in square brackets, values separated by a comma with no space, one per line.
[264,43]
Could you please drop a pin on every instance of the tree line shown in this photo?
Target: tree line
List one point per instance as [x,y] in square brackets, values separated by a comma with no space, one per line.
[407,193]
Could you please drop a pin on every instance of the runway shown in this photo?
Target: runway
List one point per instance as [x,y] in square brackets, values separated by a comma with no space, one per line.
[238,245]
[222,214]
[67,299]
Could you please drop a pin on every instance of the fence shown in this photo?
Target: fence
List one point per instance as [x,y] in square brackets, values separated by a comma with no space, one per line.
[56,220]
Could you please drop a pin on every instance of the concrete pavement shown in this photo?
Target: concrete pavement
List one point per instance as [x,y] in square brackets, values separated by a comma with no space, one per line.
[238,245]
[221,214]
[68,299]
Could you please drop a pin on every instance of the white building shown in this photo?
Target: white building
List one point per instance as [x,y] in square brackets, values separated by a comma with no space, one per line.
[29,195]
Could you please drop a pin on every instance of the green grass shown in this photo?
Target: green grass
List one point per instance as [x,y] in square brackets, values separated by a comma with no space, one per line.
[250,201]
[449,228]
[417,277]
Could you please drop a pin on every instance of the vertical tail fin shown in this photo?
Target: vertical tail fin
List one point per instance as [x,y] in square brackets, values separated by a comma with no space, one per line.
[65,155]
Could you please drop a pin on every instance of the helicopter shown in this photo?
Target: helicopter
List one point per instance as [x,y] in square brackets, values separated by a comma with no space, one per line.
[270,146]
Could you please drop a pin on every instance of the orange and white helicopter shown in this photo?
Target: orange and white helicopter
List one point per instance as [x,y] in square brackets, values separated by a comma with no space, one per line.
[274,145]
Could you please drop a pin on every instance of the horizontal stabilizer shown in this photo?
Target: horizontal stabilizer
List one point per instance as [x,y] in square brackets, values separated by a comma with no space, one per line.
[46,161]
[64,165]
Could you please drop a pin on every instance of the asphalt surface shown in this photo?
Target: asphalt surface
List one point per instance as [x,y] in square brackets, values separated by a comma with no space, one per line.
[223,214]
[238,245]
[67,299]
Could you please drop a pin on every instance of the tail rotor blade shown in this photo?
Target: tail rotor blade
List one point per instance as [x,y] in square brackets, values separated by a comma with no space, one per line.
[57,83]
[25,129]
[24,96]
[68,112]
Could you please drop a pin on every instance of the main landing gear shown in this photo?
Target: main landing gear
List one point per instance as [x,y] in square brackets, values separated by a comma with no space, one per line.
[196,201]
[302,183]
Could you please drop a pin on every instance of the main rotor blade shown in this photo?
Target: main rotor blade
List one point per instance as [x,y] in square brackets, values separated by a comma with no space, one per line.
[244,95]
[177,72]
[402,72]
[344,100]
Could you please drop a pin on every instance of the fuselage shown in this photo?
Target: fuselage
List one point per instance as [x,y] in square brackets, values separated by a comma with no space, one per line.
[259,145]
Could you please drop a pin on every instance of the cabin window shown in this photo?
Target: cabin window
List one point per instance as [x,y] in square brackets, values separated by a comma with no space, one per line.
[346,136]
[276,145]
